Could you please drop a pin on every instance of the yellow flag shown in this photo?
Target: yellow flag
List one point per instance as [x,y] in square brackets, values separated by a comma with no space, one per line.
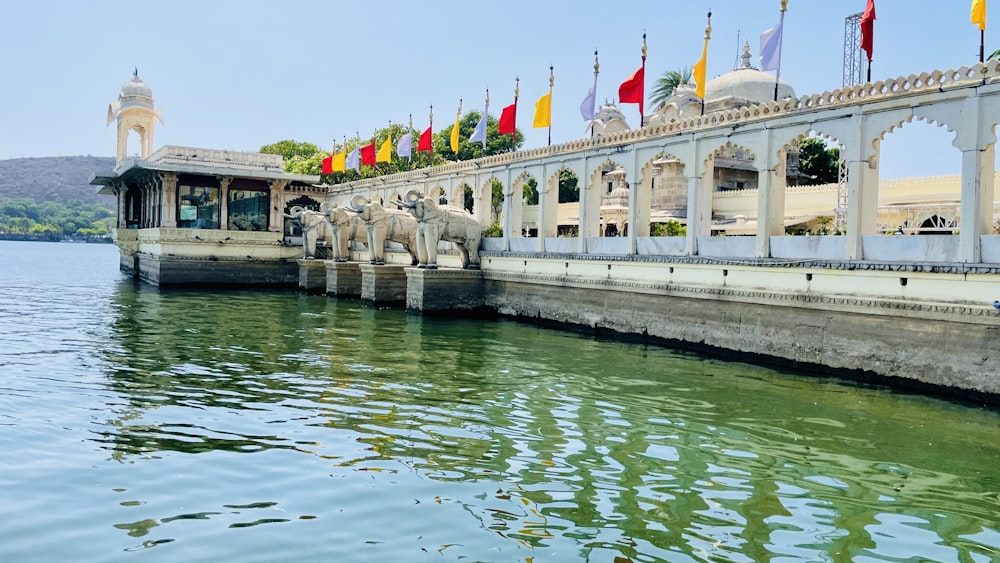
[700,70]
[979,13]
[543,111]
[454,137]
[338,162]
[385,151]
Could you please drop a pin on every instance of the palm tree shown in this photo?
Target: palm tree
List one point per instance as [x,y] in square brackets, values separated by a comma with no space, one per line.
[666,84]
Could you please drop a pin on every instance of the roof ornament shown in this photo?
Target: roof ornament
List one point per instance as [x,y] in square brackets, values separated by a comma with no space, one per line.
[746,55]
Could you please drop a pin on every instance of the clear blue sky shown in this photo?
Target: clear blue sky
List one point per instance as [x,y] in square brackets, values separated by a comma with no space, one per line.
[237,75]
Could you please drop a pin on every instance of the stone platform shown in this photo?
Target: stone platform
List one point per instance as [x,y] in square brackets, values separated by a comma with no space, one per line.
[312,275]
[444,291]
[343,279]
[383,286]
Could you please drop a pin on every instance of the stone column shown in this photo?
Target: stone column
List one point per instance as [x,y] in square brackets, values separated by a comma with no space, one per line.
[978,156]
[507,212]
[590,204]
[699,214]
[770,201]
[482,196]
[168,211]
[516,203]
[120,191]
[548,207]
[224,182]
[862,200]
[588,210]
[277,202]
[633,212]
[145,207]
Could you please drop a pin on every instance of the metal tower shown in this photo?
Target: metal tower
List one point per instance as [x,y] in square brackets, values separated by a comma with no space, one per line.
[852,49]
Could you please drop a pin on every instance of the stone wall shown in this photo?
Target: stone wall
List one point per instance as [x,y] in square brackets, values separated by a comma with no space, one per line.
[939,347]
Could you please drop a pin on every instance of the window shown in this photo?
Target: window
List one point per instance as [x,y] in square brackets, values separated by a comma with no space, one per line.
[248,210]
[198,207]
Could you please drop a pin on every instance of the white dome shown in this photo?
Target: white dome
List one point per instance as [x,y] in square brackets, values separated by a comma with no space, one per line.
[747,84]
[136,93]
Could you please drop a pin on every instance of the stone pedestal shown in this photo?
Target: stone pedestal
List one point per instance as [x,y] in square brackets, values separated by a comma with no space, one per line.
[383,286]
[312,275]
[444,291]
[343,279]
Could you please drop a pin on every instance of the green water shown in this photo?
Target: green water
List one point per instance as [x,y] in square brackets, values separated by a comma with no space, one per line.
[267,426]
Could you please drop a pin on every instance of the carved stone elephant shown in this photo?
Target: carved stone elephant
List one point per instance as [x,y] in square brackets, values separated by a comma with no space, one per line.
[386,224]
[443,222]
[345,227]
[315,227]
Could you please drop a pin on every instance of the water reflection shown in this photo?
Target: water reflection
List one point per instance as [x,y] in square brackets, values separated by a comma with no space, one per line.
[547,442]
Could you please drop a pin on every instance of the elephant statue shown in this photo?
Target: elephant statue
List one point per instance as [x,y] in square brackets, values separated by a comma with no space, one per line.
[386,224]
[443,222]
[345,227]
[315,227]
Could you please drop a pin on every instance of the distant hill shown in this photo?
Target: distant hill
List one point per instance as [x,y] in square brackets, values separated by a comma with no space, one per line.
[54,178]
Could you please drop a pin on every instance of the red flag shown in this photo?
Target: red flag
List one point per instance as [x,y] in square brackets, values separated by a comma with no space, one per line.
[328,165]
[632,90]
[868,28]
[368,154]
[425,140]
[508,118]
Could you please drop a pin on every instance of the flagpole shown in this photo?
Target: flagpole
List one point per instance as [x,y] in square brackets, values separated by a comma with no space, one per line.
[409,159]
[781,26]
[513,135]
[982,46]
[642,95]
[708,35]
[458,120]
[552,81]
[597,69]
[431,127]
[486,116]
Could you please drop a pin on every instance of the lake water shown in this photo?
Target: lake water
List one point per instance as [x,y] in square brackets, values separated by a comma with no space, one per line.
[171,425]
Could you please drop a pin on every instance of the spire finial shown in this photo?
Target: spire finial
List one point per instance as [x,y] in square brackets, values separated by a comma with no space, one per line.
[746,54]
[135,72]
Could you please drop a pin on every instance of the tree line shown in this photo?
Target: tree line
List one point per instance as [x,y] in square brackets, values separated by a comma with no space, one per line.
[54,220]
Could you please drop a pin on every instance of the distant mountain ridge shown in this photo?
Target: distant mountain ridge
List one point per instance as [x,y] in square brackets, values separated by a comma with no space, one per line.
[54,178]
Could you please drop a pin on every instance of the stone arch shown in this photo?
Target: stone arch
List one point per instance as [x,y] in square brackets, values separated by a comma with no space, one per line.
[813,204]
[937,224]
[526,203]
[897,143]
[662,194]
[609,176]
[564,184]
[730,172]
[488,199]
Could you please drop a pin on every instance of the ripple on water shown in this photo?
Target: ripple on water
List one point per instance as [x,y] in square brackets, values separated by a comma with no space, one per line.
[255,425]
